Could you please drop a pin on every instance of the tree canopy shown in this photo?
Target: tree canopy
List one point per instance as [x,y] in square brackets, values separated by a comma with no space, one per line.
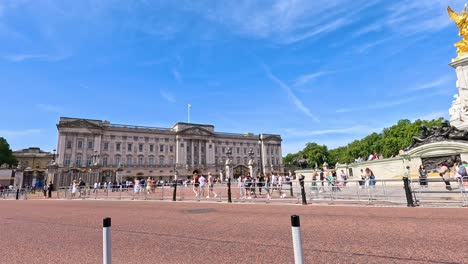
[387,143]
[6,155]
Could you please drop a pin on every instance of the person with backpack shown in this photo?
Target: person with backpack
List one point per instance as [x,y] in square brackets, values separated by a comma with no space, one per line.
[422,176]
[196,183]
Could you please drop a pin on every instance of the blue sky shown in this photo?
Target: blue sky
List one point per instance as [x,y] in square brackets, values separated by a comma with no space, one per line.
[324,71]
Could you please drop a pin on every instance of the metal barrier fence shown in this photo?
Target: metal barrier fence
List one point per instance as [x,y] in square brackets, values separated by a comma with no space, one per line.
[383,191]
[437,190]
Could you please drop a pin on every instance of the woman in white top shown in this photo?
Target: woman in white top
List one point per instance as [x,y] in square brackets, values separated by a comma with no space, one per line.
[74,188]
[136,188]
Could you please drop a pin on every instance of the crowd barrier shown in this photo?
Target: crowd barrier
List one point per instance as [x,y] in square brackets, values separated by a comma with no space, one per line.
[379,191]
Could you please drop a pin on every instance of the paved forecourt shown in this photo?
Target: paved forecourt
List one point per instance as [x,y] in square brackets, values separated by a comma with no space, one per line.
[57,231]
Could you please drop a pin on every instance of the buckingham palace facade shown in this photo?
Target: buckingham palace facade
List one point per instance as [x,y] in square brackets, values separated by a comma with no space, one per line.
[101,151]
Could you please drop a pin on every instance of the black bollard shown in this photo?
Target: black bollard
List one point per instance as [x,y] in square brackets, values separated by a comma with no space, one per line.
[174,195]
[229,191]
[409,196]
[301,182]
[17,194]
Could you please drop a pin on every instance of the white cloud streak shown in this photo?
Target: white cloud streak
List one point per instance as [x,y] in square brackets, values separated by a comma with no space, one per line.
[357,129]
[49,108]
[284,21]
[38,57]
[386,104]
[19,133]
[434,84]
[177,75]
[306,78]
[167,96]
[295,100]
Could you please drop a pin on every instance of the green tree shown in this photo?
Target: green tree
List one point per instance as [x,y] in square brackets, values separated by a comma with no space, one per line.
[387,143]
[6,155]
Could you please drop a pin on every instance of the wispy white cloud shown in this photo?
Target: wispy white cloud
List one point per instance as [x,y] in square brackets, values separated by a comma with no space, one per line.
[167,96]
[306,78]
[19,133]
[295,100]
[39,57]
[387,103]
[369,45]
[284,21]
[435,83]
[177,75]
[357,129]
[430,115]
[368,29]
[49,108]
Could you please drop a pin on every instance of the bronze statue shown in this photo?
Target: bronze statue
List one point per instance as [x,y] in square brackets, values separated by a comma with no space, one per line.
[461,20]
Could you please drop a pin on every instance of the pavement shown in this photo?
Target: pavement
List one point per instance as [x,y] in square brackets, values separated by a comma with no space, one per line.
[70,231]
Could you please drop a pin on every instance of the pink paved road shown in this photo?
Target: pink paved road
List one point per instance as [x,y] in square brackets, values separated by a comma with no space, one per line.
[58,231]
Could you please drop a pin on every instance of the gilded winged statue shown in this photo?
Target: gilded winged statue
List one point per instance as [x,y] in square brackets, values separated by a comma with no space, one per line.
[461,20]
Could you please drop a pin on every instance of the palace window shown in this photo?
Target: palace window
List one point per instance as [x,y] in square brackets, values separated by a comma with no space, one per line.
[69,144]
[238,160]
[171,161]
[151,160]
[117,146]
[129,147]
[117,160]
[140,147]
[171,148]
[161,160]
[80,144]
[90,144]
[89,160]
[140,160]
[104,161]
[151,148]
[106,145]
[78,160]
[67,159]
[161,148]
[129,161]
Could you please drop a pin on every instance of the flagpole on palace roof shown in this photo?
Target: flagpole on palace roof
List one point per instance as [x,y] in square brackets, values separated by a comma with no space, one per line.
[189,106]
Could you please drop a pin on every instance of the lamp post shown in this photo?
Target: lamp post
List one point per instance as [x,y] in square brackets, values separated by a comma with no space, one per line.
[260,142]
[174,195]
[228,173]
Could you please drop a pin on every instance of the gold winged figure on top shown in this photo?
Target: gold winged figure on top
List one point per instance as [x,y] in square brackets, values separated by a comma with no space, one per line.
[461,20]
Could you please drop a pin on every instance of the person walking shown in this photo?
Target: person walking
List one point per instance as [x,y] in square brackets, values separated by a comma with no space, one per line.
[196,183]
[422,176]
[50,188]
[74,189]
[260,183]
[322,181]
[444,172]
[344,177]
[371,177]
[268,185]
[202,181]
[211,181]
[44,190]
[363,179]
[148,186]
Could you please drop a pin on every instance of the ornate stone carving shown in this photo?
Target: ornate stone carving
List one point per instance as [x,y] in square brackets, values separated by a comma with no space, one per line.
[445,132]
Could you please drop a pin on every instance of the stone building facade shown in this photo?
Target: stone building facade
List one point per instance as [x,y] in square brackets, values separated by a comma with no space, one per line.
[33,162]
[112,152]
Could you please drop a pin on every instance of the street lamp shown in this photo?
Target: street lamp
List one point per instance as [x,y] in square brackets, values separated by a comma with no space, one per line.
[261,155]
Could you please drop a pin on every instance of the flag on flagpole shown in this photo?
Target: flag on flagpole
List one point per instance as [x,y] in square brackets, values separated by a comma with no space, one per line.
[189,106]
